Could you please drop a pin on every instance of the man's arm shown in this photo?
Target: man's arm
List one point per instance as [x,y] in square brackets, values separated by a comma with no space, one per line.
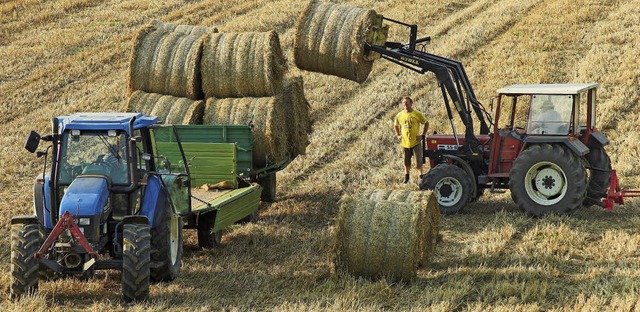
[397,127]
[425,129]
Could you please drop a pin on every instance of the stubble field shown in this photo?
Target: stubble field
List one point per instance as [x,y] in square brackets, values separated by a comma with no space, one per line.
[59,57]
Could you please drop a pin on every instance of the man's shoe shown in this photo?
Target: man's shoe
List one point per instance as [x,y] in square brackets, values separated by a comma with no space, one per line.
[406,179]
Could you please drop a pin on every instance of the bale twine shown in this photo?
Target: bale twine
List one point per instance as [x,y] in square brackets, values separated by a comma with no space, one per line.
[185,29]
[296,110]
[242,65]
[170,109]
[166,62]
[267,118]
[380,238]
[424,198]
[329,38]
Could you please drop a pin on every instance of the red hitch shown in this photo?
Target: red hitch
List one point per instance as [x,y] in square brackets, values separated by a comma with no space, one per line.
[66,223]
[615,194]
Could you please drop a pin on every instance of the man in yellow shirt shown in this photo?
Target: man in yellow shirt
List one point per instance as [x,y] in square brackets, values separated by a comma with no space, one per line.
[407,128]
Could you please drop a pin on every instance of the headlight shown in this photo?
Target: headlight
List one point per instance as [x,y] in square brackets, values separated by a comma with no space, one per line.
[84,221]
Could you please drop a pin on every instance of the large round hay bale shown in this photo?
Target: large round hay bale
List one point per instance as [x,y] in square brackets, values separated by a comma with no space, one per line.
[242,65]
[296,109]
[166,62]
[186,29]
[426,199]
[266,116]
[380,238]
[329,38]
[170,109]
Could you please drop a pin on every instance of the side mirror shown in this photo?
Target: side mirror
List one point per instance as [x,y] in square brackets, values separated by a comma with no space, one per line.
[33,140]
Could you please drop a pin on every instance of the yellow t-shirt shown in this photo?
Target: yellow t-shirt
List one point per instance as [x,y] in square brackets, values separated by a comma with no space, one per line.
[410,126]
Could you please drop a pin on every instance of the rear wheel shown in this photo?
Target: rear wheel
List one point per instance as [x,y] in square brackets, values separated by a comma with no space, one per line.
[599,176]
[136,262]
[206,238]
[268,184]
[452,186]
[166,241]
[25,242]
[548,179]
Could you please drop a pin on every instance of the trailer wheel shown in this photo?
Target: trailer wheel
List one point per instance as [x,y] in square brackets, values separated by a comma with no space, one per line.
[268,184]
[548,179]
[136,262]
[599,176]
[25,242]
[166,244]
[452,186]
[207,239]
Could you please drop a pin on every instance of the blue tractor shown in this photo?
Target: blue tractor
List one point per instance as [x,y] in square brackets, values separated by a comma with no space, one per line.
[103,201]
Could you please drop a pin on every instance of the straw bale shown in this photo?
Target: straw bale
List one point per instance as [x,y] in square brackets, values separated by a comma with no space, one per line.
[296,109]
[329,38]
[186,29]
[267,118]
[166,62]
[170,109]
[380,238]
[242,65]
[425,199]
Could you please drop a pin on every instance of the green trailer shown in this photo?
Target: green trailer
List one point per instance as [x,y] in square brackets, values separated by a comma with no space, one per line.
[223,186]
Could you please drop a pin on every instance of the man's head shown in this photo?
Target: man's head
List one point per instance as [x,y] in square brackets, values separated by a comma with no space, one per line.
[407,102]
[547,105]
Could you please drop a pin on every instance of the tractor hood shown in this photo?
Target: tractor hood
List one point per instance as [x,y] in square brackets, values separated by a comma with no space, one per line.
[86,196]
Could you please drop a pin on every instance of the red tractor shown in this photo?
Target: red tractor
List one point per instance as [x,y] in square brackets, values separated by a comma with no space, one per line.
[543,144]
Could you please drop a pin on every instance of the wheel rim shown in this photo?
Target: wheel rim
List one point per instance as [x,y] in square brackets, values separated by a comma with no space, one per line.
[175,237]
[449,191]
[546,183]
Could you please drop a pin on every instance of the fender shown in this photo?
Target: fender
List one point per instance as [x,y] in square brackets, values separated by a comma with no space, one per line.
[576,146]
[41,200]
[597,139]
[467,168]
[154,200]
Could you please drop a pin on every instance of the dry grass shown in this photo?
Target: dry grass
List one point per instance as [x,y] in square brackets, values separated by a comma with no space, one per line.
[166,62]
[330,39]
[242,65]
[68,56]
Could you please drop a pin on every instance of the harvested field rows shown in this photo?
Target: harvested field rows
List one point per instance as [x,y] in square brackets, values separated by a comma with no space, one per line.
[67,56]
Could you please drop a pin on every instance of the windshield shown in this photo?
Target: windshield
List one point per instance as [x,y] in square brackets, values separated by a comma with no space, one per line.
[550,114]
[94,152]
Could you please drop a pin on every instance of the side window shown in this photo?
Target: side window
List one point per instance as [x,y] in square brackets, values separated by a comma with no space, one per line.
[506,110]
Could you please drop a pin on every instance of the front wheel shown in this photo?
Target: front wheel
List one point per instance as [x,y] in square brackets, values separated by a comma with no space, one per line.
[547,179]
[136,262]
[452,186]
[25,242]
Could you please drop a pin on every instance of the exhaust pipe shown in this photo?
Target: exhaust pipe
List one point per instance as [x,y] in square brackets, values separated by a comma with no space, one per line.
[71,260]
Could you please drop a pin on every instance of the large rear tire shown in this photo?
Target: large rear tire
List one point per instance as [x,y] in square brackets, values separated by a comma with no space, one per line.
[452,186]
[136,262]
[166,244]
[599,176]
[547,179]
[25,242]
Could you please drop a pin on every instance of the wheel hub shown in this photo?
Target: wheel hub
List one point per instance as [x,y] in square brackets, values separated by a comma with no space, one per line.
[549,182]
[545,183]
[449,191]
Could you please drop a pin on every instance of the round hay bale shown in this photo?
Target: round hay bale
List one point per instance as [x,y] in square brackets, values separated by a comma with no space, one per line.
[329,38]
[267,118]
[423,198]
[242,65]
[296,110]
[378,239]
[170,109]
[186,29]
[166,62]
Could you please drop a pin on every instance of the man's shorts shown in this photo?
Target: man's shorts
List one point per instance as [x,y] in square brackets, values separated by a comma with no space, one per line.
[409,152]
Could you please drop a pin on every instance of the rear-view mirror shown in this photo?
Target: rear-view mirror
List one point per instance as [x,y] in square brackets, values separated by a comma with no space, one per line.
[33,140]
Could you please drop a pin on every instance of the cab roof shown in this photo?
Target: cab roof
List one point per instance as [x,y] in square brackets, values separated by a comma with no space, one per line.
[558,88]
[104,121]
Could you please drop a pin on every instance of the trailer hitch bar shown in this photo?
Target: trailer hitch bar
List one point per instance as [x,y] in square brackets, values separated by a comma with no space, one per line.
[615,194]
[66,223]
